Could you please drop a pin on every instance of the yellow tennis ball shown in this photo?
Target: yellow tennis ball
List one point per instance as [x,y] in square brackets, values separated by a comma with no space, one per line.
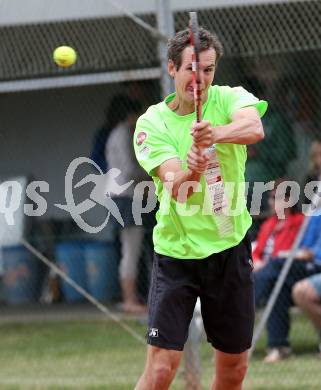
[64,56]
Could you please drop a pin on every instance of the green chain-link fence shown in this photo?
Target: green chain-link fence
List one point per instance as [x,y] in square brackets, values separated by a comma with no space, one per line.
[52,116]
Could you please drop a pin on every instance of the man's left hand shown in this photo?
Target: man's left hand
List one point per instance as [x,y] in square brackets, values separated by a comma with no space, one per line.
[202,134]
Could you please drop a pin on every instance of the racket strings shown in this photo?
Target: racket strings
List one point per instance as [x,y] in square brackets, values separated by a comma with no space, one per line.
[195,44]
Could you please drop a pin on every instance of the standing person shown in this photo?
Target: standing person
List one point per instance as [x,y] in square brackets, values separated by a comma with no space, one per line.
[194,257]
[120,154]
[101,135]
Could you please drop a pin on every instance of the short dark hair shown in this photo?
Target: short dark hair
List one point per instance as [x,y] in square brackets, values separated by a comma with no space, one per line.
[181,40]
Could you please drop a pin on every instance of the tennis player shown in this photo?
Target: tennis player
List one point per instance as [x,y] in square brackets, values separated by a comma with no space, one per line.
[194,257]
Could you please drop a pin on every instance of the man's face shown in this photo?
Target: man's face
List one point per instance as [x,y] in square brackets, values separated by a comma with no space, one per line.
[183,76]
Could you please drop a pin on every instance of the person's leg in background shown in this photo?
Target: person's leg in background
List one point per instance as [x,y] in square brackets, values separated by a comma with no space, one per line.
[131,238]
[278,326]
[192,363]
[264,280]
[307,295]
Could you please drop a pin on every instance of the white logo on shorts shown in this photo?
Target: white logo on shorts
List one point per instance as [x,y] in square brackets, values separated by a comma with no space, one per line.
[153,332]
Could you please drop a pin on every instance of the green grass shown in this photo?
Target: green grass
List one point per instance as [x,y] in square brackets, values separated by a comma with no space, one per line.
[100,355]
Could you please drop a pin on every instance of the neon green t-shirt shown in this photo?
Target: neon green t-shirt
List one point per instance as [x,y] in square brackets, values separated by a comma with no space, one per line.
[185,231]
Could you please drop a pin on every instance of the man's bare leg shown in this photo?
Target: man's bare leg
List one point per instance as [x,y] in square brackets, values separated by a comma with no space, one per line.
[160,369]
[230,370]
[307,298]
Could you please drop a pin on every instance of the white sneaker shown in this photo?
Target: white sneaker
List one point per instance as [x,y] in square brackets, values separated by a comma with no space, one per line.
[277,354]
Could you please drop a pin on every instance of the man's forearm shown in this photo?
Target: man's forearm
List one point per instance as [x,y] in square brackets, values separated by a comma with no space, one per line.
[183,184]
[243,131]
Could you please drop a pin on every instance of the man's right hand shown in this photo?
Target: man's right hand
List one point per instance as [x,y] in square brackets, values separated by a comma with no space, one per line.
[197,159]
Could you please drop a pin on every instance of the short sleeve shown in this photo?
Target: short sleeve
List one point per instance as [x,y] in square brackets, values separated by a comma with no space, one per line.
[235,98]
[152,145]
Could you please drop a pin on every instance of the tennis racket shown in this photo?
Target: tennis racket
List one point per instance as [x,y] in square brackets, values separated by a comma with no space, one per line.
[212,174]
[195,44]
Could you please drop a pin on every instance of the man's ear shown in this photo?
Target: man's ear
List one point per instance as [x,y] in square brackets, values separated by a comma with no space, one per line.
[171,68]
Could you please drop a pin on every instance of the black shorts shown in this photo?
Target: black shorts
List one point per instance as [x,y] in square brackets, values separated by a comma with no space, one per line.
[224,283]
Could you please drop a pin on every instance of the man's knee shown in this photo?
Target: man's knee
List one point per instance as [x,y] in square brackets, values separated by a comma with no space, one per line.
[231,370]
[299,293]
[236,373]
[303,293]
[162,366]
[162,373]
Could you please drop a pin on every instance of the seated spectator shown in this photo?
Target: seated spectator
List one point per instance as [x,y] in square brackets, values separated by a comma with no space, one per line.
[307,262]
[270,158]
[276,235]
[307,295]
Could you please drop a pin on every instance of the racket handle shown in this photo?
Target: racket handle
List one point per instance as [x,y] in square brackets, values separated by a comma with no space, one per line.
[198,102]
